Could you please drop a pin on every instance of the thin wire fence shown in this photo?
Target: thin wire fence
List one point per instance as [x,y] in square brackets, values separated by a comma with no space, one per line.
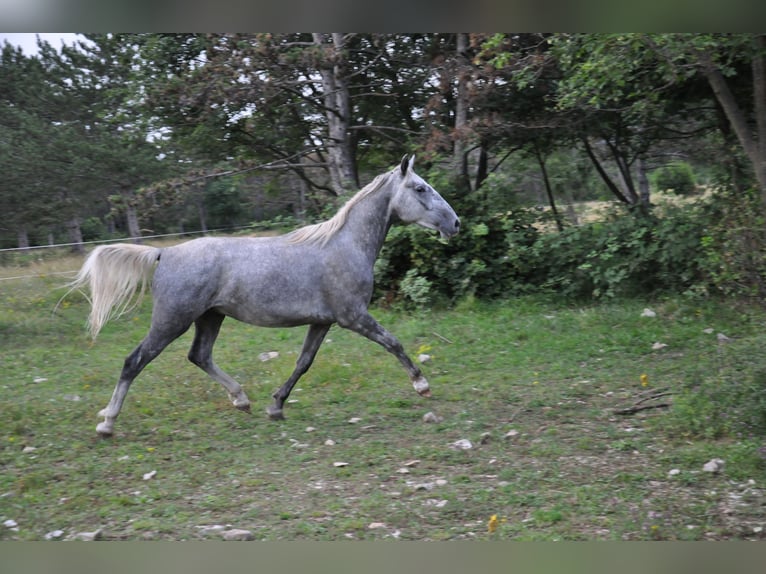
[102,241]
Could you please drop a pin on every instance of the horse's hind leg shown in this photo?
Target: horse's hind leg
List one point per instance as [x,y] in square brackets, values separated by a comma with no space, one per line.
[152,345]
[201,354]
[311,343]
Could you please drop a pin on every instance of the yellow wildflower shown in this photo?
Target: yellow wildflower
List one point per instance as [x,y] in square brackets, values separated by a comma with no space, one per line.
[492,525]
[423,349]
[644,380]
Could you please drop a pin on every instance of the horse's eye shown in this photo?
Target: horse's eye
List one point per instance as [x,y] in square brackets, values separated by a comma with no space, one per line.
[420,188]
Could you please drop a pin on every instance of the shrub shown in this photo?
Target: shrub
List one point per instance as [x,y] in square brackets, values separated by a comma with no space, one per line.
[734,243]
[677,176]
[483,260]
[629,254]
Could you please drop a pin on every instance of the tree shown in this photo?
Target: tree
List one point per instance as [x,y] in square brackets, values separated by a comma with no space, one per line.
[734,66]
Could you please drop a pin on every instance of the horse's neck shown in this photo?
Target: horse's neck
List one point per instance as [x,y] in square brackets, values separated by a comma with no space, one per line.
[368,224]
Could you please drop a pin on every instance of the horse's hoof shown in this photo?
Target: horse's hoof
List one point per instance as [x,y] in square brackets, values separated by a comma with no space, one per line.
[105,430]
[421,386]
[275,414]
[244,408]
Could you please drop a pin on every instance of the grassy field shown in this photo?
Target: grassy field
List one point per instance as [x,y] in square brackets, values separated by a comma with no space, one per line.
[533,384]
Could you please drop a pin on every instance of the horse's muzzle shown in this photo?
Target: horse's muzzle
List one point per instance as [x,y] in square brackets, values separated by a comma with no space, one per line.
[447,232]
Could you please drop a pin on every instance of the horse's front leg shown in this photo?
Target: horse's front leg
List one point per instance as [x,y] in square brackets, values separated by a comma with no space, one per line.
[370,328]
[311,343]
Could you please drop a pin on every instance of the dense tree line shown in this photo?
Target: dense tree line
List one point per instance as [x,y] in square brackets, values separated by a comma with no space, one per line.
[124,133]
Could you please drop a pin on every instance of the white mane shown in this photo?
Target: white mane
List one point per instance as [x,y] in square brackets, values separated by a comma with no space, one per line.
[322,232]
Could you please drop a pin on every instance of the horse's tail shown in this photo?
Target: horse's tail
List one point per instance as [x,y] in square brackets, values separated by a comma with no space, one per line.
[117,276]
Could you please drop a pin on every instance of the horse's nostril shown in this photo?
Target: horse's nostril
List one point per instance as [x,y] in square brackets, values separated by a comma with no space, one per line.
[457,224]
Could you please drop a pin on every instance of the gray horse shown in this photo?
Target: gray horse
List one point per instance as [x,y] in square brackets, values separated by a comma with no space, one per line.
[317,275]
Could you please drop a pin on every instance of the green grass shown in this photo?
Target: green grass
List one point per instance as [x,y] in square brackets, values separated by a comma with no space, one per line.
[553,373]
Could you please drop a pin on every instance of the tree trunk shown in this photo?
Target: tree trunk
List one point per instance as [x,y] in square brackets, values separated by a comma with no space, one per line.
[22,237]
[202,212]
[548,190]
[337,103]
[482,169]
[459,154]
[643,183]
[604,176]
[134,231]
[755,148]
[75,235]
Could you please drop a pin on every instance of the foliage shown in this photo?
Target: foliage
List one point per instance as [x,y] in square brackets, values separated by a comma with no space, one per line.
[500,254]
[677,176]
[728,400]
[480,261]
[734,244]
[623,256]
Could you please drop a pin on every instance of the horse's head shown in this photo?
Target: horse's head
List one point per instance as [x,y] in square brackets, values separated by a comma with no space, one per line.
[417,202]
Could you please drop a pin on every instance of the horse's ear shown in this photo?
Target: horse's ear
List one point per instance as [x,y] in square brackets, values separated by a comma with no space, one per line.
[407,164]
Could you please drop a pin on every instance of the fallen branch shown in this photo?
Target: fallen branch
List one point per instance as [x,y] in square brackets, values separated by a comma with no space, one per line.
[636,408]
[650,395]
[445,339]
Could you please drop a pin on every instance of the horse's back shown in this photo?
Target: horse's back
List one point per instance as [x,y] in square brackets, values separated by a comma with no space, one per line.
[263,281]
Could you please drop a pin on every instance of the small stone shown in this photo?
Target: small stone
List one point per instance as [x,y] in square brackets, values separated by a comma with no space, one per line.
[238,534]
[354,420]
[29,449]
[10,523]
[462,444]
[39,380]
[73,398]
[674,472]
[54,535]
[376,525]
[423,358]
[207,530]
[89,536]
[436,503]
[723,338]
[267,356]
[430,417]
[330,442]
[403,470]
[413,462]
[149,475]
[658,346]
[512,433]
[708,331]
[310,429]
[648,313]
[713,465]
[339,464]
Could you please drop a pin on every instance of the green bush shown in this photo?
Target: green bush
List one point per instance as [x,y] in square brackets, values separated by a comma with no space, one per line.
[677,176]
[626,255]
[483,260]
[718,246]
[734,244]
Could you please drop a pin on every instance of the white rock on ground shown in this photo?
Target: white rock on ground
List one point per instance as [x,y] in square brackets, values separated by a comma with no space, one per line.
[89,536]
[430,417]
[713,465]
[238,534]
[462,444]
